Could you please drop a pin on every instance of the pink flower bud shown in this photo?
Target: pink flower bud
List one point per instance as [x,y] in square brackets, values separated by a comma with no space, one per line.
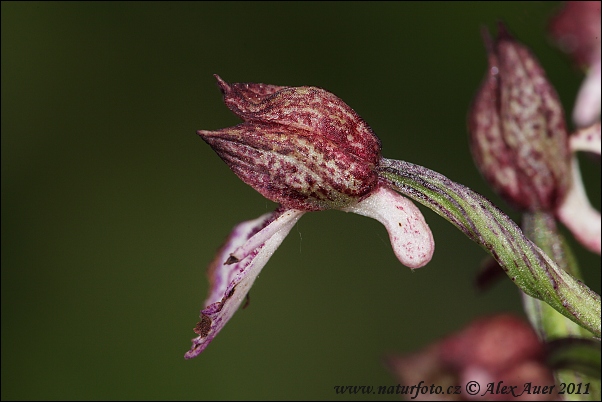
[517,128]
[301,147]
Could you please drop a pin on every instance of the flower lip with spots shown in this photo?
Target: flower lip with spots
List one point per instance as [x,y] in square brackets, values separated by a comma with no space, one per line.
[307,150]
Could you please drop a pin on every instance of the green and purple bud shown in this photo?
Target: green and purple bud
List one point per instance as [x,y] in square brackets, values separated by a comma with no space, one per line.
[301,147]
[518,133]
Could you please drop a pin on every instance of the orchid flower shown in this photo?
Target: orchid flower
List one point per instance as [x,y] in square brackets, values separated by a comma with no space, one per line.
[576,28]
[499,349]
[305,149]
[520,142]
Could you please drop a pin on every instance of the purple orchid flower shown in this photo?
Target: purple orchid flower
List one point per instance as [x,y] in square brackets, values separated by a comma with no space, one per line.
[576,28]
[307,150]
[495,349]
[521,145]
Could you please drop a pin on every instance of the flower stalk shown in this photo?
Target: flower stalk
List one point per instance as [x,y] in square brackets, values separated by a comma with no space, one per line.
[567,342]
[541,228]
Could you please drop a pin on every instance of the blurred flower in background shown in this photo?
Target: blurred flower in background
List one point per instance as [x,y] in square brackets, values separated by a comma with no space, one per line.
[576,29]
[492,349]
[520,143]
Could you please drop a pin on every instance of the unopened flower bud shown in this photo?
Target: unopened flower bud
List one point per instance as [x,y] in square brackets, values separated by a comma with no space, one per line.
[517,128]
[299,146]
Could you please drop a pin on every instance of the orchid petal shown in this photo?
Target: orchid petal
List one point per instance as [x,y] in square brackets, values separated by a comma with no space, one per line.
[410,235]
[310,111]
[289,168]
[587,139]
[578,215]
[287,218]
[241,96]
[587,105]
[231,282]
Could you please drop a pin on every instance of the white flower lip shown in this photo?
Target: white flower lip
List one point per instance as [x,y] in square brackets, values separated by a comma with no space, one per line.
[578,215]
[587,104]
[410,235]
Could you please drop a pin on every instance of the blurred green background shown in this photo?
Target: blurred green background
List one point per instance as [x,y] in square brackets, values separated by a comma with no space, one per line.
[112,207]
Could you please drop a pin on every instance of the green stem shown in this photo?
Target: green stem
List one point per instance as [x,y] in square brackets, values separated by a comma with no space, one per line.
[578,355]
[540,227]
[525,263]
[569,354]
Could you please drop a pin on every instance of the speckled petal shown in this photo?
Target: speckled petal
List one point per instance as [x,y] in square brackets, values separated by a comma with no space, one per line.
[410,235]
[310,111]
[292,169]
[240,96]
[518,133]
[578,215]
[231,282]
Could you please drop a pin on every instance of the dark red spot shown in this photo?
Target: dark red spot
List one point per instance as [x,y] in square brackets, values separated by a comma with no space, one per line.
[202,327]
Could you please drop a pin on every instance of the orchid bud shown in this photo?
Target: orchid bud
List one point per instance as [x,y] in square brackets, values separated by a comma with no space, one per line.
[517,128]
[301,147]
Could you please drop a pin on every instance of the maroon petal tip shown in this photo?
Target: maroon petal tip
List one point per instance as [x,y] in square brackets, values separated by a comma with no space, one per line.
[487,39]
[502,32]
[223,85]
